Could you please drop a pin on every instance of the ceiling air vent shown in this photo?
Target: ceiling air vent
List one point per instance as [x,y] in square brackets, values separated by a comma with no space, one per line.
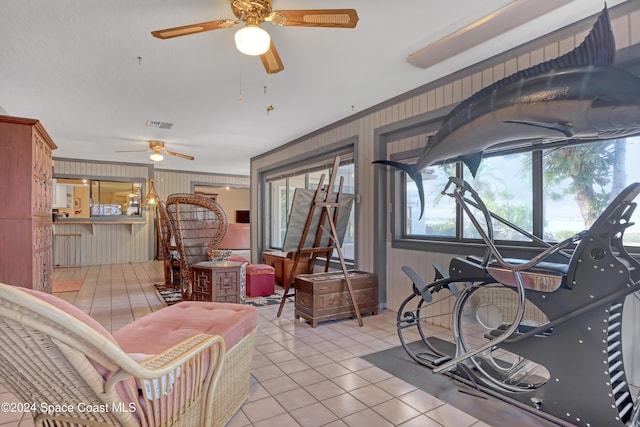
[157,124]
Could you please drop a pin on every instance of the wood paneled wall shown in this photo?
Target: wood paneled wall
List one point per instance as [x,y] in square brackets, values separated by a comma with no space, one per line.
[121,243]
[168,182]
[105,243]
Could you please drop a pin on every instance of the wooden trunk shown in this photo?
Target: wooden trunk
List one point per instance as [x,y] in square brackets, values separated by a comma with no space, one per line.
[26,183]
[218,281]
[325,296]
[284,266]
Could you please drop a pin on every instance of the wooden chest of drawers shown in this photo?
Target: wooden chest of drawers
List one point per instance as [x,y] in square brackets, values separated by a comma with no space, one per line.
[219,281]
[325,296]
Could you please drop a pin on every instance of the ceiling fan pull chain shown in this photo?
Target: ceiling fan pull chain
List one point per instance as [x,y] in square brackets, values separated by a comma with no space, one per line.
[267,91]
[241,98]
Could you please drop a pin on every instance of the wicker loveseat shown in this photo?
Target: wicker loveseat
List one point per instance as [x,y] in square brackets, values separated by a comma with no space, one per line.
[169,368]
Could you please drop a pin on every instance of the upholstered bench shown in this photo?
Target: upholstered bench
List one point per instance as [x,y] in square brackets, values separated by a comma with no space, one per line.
[236,323]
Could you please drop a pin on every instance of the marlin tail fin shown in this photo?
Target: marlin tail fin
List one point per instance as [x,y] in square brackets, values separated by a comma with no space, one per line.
[414,174]
[472,161]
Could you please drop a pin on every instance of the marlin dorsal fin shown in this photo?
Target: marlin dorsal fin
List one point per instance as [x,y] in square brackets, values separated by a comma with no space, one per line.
[598,48]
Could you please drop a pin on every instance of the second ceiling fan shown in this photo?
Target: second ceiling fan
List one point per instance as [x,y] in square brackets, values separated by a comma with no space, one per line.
[252,39]
[157,150]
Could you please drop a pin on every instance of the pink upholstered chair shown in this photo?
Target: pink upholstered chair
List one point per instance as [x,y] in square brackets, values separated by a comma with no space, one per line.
[199,225]
[168,368]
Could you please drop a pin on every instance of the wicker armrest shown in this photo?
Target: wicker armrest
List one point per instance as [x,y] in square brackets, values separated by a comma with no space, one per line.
[173,381]
[180,353]
[170,359]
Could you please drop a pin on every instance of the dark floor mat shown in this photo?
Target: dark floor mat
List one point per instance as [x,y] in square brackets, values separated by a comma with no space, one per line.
[484,407]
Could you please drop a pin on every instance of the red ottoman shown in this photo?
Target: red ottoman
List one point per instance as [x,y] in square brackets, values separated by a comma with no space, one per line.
[261,279]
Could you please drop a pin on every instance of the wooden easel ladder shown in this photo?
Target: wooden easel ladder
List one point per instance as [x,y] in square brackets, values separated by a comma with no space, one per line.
[329,202]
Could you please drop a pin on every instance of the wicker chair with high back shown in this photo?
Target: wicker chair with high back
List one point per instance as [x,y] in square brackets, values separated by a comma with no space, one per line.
[168,249]
[199,224]
[68,371]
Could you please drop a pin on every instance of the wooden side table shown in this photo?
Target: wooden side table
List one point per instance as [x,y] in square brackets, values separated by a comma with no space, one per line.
[219,281]
[284,266]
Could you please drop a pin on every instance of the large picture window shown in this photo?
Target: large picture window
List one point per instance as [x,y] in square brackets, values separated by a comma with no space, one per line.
[439,218]
[282,187]
[505,183]
[580,181]
[552,193]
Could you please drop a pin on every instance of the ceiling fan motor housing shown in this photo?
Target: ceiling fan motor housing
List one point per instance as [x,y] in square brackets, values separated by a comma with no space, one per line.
[253,12]
[156,145]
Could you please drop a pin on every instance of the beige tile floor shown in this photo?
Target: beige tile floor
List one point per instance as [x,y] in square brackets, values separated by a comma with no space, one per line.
[301,376]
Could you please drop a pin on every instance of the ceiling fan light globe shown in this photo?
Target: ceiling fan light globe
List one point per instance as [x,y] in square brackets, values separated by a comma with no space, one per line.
[156,157]
[252,40]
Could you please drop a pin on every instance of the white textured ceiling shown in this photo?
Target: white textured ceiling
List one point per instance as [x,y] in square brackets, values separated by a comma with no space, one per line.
[74,65]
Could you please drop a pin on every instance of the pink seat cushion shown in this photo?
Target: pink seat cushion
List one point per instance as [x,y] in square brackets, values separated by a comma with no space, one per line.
[260,269]
[164,328]
[169,326]
[238,258]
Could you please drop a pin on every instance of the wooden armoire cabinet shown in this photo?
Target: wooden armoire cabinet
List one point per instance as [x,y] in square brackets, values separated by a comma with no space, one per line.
[26,231]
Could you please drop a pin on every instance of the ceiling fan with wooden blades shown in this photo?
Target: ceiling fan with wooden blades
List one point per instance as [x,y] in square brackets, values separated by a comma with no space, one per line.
[252,39]
[158,150]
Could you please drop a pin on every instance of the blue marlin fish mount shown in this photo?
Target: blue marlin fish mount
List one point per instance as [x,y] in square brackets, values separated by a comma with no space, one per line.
[577,97]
